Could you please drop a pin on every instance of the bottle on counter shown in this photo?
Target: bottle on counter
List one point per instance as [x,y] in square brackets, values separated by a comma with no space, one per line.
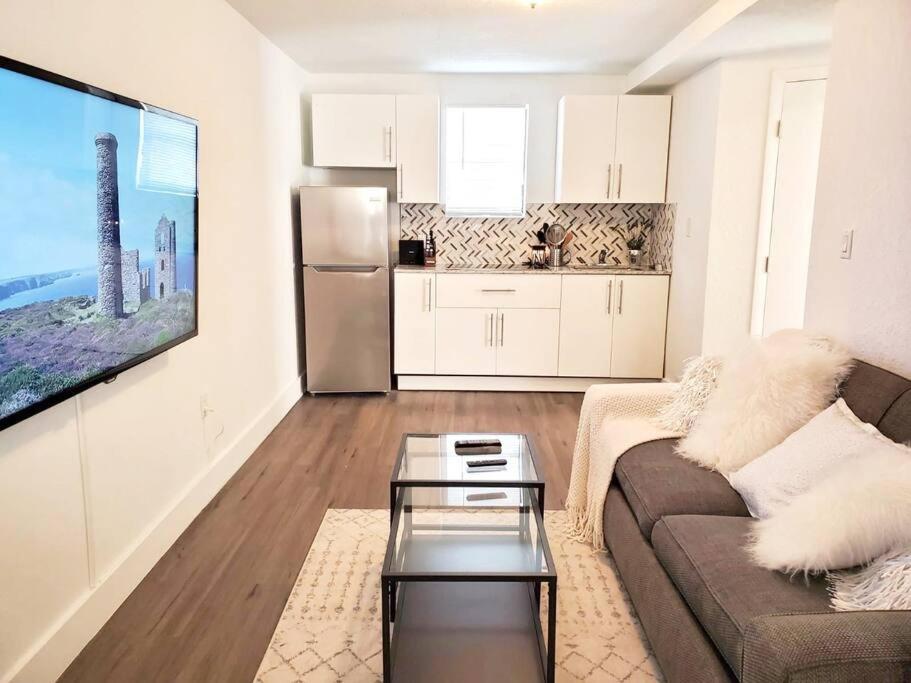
[430,250]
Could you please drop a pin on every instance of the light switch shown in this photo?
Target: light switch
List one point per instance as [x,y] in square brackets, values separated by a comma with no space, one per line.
[847,243]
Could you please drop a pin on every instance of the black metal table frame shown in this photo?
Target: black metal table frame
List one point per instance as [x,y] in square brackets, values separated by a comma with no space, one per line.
[395,483]
[390,596]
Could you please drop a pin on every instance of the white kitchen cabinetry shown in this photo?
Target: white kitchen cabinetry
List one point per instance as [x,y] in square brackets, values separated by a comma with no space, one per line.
[586,142]
[528,339]
[639,326]
[354,131]
[643,134]
[466,341]
[415,323]
[612,149]
[532,331]
[417,119]
[586,325]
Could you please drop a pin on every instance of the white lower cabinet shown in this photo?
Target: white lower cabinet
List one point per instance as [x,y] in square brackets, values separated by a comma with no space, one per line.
[528,341]
[584,326]
[640,325]
[415,323]
[466,341]
[586,322]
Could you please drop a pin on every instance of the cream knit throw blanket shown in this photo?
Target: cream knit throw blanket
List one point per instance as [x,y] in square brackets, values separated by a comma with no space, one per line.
[614,418]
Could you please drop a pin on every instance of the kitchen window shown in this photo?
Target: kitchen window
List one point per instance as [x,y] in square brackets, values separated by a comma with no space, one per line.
[485,160]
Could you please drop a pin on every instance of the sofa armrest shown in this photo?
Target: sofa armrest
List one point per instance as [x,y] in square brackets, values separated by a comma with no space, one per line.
[834,646]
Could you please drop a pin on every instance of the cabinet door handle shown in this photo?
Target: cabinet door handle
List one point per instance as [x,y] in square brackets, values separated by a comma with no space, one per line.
[619,180]
[487,291]
[609,169]
[488,329]
[401,181]
[389,133]
[610,291]
[429,287]
[620,302]
[502,328]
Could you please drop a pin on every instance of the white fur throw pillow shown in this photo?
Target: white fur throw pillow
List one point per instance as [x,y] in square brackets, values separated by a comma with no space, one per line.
[884,584]
[859,512]
[764,394]
[700,375]
[803,459]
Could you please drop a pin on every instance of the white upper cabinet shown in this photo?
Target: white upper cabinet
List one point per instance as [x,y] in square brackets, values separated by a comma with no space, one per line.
[643,130]
[354,131]
[612,149]
[417,119]
[586,142]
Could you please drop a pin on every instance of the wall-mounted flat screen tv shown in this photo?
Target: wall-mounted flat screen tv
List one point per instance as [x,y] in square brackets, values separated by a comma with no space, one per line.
[98,236]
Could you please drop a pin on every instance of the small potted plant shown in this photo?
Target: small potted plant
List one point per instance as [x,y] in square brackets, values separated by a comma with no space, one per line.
[635,241]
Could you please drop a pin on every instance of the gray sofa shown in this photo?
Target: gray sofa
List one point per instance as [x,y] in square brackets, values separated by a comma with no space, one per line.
[677,531]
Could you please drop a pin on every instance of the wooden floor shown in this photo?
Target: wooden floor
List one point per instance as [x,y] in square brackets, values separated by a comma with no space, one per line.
[207,611]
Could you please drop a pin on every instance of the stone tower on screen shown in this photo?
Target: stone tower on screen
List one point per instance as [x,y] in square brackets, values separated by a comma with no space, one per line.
[165,258]
[110,281]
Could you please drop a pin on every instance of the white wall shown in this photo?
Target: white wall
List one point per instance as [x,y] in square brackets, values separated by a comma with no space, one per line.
[540,92]
[691,175]
[715,177]
[864,181]
[79,527]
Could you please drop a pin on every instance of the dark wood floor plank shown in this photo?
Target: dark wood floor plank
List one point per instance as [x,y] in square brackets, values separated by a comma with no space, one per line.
[207,610]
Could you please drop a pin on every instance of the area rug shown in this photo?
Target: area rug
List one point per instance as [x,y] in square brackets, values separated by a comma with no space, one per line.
[330,628]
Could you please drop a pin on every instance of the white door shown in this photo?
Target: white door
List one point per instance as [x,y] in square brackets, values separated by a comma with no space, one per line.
[415,324]
[792,212]
[417,120]
[640,324]
[354,130]
[643,130]
[527,341]
[465,341]
[586,322]
[586,140]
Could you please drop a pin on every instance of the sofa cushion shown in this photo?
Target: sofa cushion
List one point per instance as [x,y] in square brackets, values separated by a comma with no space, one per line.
[896,423]
[870,391]
[706,560]
[658,482]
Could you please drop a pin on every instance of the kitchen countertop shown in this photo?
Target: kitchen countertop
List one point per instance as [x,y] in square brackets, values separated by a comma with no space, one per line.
[511,268]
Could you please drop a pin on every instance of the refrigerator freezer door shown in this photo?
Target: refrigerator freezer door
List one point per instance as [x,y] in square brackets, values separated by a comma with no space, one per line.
[344,226]
[347,322]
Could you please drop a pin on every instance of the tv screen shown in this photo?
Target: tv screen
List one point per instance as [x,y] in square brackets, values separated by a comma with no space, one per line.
[98,236]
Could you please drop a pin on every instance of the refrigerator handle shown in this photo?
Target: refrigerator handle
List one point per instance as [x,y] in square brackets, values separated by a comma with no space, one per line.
[346,269]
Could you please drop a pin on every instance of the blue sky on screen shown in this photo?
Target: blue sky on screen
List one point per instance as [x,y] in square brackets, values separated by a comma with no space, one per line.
[47,179]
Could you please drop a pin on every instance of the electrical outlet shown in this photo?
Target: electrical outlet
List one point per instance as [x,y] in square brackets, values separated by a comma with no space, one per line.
[847,244]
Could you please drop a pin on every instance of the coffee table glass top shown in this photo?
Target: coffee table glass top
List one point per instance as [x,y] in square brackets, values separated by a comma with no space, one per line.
[432,457]
[433,542]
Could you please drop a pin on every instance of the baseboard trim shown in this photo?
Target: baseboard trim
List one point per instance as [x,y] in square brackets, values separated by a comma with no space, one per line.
[482,383]
[48,659]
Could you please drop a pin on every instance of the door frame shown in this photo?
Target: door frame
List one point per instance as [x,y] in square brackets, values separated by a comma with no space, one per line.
[780,78]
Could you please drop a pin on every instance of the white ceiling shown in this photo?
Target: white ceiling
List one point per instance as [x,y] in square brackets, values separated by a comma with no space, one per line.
[768,26]
[470,36]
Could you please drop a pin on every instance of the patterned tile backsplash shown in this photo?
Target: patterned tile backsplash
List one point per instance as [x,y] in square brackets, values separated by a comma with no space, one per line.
[488,241]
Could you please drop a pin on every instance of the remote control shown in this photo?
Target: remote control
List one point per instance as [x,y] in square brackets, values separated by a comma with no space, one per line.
[487,463]
[477,443]
[478,497]
[478,447]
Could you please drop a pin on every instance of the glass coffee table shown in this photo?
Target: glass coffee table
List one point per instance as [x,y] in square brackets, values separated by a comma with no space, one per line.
[465,563]
[430,461]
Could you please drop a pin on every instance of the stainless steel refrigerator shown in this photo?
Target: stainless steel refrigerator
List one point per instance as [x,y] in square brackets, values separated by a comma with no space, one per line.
[345,249]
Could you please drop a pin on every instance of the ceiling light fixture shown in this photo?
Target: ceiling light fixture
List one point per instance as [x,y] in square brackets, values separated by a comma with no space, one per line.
[532,3]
